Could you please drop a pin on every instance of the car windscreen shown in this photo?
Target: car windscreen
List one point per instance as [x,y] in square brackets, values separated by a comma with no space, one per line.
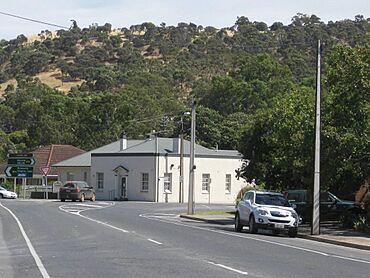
[69,185]
[272,200]
[2,188]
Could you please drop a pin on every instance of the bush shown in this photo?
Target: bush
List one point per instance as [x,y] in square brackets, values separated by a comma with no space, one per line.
[367,212]
[359,222]
[247,187]
[8,186]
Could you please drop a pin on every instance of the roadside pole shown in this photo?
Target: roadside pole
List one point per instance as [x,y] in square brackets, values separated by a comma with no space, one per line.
[192,166]
[47,189]
[181,187]
[24,188]
[315,228]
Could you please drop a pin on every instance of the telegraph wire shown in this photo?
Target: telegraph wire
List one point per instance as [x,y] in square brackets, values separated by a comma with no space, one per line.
[34,20]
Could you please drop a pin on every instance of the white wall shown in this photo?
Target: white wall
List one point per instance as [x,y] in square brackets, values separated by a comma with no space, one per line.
[216,167]
[135,165]
[78,172]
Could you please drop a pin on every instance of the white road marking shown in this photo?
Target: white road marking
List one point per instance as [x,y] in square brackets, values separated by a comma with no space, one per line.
[89,206]
[148,216]
[102,223]
[154,241]
[72,210]
[351,259]
[229,268]
[37,259]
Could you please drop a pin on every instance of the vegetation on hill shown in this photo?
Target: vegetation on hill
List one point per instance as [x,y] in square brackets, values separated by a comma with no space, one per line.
[254,85]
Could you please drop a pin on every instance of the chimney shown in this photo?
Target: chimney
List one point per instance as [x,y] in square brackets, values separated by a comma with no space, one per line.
[176,145]
[123,143]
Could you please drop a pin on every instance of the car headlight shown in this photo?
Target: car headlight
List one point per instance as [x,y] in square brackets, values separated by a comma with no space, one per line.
[262,212]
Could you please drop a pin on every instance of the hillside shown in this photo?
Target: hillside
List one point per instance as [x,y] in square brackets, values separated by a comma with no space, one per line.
[254,85]
[99,58]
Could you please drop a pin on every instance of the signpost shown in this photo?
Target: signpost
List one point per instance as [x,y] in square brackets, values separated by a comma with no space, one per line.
[19,172]
[20,165]
[45,171]
[22,161]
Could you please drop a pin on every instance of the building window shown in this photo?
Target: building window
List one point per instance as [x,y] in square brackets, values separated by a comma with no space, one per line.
[99,180]
[70,176]
[144,182]
[168,182]
[85,176]
[228,183]
[205,182]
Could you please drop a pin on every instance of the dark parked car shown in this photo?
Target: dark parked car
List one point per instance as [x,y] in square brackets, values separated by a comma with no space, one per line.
[76,190]
[331,207]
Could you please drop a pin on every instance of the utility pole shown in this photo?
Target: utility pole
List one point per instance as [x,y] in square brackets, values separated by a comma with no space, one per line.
[181,187]
[315,228]
[192,167]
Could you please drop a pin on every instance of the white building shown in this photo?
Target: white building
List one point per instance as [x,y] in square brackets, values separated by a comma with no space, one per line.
[149,170]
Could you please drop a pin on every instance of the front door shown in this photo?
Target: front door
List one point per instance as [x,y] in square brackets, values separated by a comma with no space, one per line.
[124,188]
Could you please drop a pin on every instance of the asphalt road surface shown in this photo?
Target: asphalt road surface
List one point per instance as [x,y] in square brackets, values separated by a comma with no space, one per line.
[137,239]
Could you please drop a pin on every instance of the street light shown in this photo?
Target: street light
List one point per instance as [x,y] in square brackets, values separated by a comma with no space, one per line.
[181,188]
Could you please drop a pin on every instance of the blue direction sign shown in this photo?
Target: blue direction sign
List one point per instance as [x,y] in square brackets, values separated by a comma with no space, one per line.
[19,172]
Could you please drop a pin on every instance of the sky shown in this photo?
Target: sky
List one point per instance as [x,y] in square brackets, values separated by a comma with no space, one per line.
[124,13]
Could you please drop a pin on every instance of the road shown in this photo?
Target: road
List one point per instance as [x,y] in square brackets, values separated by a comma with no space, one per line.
[137,239]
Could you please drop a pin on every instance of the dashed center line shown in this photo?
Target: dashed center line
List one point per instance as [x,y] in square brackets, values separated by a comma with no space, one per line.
[229,268]
[154,241]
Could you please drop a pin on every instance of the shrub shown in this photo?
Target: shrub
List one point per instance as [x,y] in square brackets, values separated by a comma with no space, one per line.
[247,187]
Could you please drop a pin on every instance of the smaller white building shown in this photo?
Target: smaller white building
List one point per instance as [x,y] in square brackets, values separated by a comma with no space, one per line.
[149,170]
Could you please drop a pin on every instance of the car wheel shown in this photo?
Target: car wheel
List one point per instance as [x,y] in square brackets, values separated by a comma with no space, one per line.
[73,200]
[62,200]
[93,198]
[238,225]
[252,225]
[292,232]
[82,198]
[1,196]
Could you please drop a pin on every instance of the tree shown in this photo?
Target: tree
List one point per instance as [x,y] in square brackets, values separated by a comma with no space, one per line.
[278,141]
[346,141]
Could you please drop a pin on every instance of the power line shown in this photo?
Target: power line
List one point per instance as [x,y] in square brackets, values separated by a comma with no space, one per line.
[34,20]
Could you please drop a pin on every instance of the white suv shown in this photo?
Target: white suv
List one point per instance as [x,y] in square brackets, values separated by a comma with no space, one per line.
[266,210]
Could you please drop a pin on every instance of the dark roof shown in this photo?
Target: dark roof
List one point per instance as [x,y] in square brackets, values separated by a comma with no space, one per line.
[84,160]
[49,155]
[170,146]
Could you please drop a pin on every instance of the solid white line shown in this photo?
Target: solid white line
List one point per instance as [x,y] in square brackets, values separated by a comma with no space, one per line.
[351,259]
[37,259]
[102,223]
[236,235]
[154,241]
[229,268]
[90,206]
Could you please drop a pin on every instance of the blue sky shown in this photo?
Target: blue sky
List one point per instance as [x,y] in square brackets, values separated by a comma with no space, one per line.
[124,13]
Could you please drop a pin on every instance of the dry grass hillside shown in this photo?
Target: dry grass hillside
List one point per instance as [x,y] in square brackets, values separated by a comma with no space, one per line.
[52,78]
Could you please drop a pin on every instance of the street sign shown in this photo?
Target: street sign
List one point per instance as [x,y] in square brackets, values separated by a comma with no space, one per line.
[19,172]
[45,170]
[11,155]
[21,161]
